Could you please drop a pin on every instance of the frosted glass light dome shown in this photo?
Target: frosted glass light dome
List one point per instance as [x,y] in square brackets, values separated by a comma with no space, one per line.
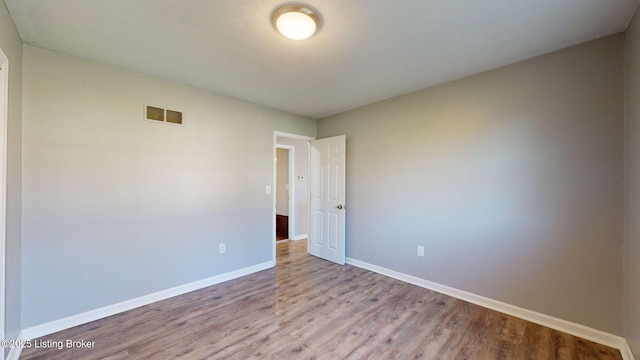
[295,21]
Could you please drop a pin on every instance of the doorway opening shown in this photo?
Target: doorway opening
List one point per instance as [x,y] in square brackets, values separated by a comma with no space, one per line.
[291,187]
[320,190]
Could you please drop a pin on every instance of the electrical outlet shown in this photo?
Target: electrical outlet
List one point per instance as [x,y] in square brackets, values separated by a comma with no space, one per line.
[420,250]
[223,248]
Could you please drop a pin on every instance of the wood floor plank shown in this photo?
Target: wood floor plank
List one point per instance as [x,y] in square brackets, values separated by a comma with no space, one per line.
[308,308]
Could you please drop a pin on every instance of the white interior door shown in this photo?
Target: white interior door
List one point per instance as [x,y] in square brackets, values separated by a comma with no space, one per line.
[326,236]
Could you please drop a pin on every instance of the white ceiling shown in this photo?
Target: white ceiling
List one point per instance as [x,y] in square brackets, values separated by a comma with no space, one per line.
[366,50]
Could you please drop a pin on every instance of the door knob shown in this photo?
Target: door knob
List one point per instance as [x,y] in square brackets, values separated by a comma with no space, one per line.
[340,206]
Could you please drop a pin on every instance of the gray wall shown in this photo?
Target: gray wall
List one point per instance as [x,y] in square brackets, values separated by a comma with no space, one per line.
[632,185]
[511,179]
[116,207]
[301,153]
[11,44]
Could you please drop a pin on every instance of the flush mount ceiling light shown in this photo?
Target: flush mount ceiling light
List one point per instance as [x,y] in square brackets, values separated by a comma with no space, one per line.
[296,21]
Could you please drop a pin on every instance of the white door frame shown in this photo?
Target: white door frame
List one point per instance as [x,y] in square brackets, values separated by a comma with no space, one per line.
[276,135]
[291,201]
[4,107]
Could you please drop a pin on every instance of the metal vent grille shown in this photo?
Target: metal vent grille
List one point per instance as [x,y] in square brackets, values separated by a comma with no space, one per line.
[166,116]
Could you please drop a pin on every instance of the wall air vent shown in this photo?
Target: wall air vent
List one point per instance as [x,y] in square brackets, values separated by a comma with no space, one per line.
[166,116]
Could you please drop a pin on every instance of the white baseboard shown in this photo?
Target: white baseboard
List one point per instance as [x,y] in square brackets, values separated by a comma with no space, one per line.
[14,353]
[626,352]
[92,315]
[300,237]
[568,327]
[535,317]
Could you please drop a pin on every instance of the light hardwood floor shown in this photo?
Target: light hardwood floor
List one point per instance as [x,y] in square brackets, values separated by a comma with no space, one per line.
[307,308]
